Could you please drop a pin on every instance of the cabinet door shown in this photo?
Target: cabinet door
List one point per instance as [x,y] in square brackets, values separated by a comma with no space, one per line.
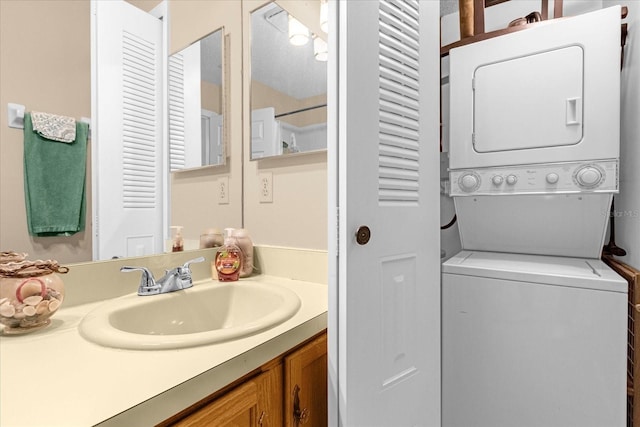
[255,403]
[270,398]
[306,385]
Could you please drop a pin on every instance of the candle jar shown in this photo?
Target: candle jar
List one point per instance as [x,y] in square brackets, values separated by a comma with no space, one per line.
[30,293]
[211,238]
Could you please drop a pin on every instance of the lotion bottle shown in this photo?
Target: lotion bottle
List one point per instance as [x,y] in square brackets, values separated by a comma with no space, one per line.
[228,262]
[178,242]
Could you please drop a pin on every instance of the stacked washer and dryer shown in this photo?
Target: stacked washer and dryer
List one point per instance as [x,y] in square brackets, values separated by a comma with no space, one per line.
[534,327]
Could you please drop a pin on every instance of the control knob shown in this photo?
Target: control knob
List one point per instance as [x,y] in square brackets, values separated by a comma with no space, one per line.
[497,180]
[469,182]
[588,176]
[552,178]
[512,179]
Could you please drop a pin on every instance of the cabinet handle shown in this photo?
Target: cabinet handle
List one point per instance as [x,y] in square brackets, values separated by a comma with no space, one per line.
[300,416]
[261,419]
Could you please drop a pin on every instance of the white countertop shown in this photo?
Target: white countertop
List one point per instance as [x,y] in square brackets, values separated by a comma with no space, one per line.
[54,377]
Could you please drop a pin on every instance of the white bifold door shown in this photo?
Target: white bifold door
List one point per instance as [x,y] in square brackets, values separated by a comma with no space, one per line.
[384,302]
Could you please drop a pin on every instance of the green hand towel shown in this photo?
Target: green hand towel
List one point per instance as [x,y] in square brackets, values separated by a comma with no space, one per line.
[54,182]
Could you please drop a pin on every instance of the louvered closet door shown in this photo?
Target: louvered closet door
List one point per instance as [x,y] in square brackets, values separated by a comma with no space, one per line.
[387,353]
[127,135]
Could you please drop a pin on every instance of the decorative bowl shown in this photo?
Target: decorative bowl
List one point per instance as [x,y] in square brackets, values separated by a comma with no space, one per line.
[30,293]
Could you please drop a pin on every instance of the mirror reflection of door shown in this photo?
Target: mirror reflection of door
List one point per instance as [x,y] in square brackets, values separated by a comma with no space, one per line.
[196,104]
[212,152]
[263,134]
[128,196]
[288,86]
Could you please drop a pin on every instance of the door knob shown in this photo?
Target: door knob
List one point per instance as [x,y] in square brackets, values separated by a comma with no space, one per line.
[363,235]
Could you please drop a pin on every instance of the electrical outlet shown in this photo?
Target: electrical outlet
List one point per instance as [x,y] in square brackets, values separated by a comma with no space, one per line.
[266,187]
[223,190]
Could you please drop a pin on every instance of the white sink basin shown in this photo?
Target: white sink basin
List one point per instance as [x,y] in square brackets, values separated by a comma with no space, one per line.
[204,314]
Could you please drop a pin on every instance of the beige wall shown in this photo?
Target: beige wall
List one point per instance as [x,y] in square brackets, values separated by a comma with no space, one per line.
[210,96]
[146,5]
[264,96]
[49,70]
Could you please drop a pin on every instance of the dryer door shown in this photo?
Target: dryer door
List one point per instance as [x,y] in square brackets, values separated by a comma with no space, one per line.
[529,102]
[546,94]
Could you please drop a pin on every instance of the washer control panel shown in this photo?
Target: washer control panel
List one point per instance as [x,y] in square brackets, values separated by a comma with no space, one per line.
[569,177]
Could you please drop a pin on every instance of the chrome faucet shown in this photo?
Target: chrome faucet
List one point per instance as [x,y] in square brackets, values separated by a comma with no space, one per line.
[173,280]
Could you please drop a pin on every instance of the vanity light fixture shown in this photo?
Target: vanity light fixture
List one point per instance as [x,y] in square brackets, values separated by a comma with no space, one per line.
[298,33]
[320,49]
[324,16]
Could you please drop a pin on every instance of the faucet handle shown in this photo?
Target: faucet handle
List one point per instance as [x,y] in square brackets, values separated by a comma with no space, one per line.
[148,284]
[186,264]
[185,272]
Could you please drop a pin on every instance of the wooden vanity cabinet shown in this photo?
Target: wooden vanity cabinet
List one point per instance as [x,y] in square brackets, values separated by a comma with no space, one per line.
[291,390]
[305,379]
[253,403]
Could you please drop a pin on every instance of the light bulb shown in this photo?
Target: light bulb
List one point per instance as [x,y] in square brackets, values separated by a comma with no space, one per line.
[320,49]
[324,16]
[298,33]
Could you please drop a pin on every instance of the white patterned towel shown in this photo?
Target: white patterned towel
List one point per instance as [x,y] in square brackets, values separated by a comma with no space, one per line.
[55,127]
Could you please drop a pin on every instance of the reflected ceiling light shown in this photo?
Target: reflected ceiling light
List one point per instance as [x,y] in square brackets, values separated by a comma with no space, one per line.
[298,33]
[324,16]
[320,49]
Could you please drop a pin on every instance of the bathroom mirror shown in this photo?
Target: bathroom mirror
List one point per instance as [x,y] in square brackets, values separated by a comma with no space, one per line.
[288,86]
[65,88]
[196,104]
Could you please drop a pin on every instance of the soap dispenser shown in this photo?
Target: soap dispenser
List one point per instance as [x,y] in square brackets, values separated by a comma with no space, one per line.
[293,146]
[228,260]
[178,242]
